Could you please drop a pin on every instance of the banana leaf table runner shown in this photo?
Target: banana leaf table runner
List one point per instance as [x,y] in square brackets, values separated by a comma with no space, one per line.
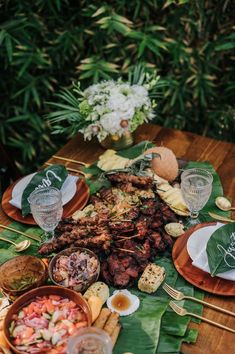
[154,328]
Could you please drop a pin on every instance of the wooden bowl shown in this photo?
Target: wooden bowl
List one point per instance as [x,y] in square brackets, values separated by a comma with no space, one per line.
[4,350]
[22,268]
[26,298]
[67,252]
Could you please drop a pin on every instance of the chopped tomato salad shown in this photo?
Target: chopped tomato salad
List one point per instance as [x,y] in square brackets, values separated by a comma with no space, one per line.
[44,325]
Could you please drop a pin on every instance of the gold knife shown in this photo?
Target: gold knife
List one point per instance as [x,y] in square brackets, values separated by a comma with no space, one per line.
[221,218]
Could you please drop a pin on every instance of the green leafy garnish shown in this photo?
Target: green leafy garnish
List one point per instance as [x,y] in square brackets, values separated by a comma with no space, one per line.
[22,283]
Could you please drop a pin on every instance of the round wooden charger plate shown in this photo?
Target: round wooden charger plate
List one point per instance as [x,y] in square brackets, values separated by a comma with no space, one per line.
[77,202]
[194,275]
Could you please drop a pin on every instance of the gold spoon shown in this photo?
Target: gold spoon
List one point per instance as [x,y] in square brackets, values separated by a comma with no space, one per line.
[19,247]
[223,204]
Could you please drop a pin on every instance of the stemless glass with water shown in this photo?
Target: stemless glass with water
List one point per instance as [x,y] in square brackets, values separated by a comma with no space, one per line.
[90,340]
[196,186]
[47,208]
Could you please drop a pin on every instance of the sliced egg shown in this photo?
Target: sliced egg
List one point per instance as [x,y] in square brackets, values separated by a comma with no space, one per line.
[4,302]
[174,229]
[4,307]
[123,302]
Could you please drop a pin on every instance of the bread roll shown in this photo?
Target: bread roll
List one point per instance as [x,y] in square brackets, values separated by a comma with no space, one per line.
[98,289]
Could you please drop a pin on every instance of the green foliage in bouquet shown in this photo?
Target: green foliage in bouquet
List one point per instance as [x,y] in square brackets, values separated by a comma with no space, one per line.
[48,44]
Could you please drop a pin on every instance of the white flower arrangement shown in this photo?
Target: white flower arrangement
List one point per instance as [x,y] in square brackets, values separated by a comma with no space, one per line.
[107,108]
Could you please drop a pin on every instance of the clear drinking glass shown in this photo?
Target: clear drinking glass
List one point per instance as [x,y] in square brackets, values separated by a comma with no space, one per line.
[90,340]
[196,186]
[47,208]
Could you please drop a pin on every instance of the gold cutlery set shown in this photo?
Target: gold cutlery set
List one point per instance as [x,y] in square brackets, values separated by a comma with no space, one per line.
[178,295]
[35,238]
[70,169]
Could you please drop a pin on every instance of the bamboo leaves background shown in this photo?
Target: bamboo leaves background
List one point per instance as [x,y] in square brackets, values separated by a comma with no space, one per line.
[45,45]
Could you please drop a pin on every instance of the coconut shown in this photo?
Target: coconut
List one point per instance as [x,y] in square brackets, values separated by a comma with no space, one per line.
[165,165]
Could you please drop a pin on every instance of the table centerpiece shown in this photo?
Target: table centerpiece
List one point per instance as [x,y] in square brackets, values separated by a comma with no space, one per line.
[110,110]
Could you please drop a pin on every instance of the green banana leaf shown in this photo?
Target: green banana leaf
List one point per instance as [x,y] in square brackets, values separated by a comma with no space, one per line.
[140,331]
[220,251]
[7,251]
[171,344]
[136,150]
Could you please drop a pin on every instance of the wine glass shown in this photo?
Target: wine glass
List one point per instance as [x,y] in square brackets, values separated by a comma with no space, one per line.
[196,186]
[90,340]
[47,208]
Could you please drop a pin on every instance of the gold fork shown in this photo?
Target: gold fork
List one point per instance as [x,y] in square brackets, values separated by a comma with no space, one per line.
[178,295]
[69,160]
[68,168]
[182,312]
[20,232]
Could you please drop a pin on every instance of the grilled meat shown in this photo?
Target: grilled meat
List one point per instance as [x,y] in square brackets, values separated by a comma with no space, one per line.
[148,207]
[123,226]
[96,243]
[108,195]
[121,268]
[126,226]
[138,181]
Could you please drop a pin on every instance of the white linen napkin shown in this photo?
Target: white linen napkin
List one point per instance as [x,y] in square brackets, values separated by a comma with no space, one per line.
[65,190]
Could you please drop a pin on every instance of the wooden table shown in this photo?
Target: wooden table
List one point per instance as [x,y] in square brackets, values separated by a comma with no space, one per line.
[188,146]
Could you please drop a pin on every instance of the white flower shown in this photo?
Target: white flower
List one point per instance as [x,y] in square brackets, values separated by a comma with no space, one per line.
[125,89]
[150,115]
[116,101]
[91,90]
[90,131]
[102,135]
[93,116]
[101,109]
[111,122]
[140,90]
[128,113]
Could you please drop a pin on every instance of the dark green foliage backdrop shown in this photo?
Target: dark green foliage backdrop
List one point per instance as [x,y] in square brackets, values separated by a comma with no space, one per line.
[46,44]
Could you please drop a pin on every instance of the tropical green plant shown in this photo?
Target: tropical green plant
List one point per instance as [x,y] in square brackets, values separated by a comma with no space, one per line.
[46,45]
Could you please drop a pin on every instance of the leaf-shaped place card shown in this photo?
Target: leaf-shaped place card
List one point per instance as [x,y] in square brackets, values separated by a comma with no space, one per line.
[52,176]
[221,250]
